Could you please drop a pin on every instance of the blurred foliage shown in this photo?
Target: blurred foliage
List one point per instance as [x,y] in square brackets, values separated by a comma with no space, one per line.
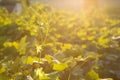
[48,44]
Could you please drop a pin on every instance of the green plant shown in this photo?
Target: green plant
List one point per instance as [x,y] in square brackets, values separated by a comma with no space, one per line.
[48,44]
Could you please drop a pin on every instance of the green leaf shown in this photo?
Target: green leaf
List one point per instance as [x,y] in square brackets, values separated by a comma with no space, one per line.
[66,46]
[40,75]
[92,75]
[53,75]
[103,42]
[22,45]
[7,44]
[3,69]
[29,60]
[60,67]
[49,59]
[57,78]
[38,48]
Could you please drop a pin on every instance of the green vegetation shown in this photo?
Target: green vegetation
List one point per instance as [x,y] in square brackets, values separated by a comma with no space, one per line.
[47,44]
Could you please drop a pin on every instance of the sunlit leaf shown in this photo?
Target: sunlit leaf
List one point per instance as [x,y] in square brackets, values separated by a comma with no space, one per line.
[57,78]
[83,46]
[23,45]
[29,60]
[8,44]
[60,67]
[49,59]
[66,46]
[3,69]
[103,42]
[40,75]
[38,48]
[92,75]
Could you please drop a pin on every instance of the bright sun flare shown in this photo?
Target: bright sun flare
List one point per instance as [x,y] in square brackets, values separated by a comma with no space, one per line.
[72,4]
